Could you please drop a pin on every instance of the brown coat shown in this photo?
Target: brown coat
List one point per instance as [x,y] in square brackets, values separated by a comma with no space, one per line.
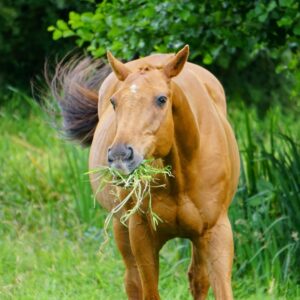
[192,134]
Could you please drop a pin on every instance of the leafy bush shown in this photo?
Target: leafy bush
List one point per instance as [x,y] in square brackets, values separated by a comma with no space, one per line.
[252,45]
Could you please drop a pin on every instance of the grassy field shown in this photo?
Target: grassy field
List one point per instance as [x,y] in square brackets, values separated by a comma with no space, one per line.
[50,231]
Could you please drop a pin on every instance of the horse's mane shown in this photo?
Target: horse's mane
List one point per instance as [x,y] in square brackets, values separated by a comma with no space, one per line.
[75,87]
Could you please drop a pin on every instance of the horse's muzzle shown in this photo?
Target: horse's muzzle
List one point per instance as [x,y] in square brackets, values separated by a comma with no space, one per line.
[123,158]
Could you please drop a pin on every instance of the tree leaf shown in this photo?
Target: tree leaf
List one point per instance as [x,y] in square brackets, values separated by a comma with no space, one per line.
[57,34]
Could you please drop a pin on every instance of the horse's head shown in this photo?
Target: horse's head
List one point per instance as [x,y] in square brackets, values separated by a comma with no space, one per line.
[143,111]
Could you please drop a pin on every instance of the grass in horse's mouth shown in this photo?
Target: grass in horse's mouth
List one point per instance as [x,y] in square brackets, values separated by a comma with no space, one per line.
[138,183]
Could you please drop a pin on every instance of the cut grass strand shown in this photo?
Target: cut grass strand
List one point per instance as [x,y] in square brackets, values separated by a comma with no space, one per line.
[138,184]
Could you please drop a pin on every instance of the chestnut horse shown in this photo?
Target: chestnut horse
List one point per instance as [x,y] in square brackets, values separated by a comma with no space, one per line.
[166,108]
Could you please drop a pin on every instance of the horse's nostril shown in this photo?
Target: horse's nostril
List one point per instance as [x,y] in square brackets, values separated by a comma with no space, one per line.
[109,156]
[120,152]
[130,153]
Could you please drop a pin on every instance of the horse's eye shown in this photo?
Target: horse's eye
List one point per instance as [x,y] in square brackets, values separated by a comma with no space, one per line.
[113,103]
[161,100]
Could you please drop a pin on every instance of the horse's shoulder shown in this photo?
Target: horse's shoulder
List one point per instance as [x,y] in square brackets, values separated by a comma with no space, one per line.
[208,81]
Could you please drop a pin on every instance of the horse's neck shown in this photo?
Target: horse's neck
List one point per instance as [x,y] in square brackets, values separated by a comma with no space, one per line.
[186,141]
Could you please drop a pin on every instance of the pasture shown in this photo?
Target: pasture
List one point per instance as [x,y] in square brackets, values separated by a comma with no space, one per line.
[51,232]
[51,229]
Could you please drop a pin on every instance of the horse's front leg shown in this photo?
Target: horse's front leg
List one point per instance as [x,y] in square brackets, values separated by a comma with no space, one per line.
[132,278]
[146,251]
[219,257]
[198,273]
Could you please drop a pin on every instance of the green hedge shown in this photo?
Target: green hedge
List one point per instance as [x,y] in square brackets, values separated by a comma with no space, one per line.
[253,46]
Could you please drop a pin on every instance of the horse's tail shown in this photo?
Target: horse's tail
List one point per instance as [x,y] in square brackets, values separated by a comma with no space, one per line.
[75,87]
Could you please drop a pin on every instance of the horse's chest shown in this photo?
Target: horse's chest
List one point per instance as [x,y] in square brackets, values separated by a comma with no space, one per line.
[179,218]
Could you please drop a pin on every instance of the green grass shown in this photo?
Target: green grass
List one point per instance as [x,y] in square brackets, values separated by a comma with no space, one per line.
[51,233]
[138,184]
[266,209]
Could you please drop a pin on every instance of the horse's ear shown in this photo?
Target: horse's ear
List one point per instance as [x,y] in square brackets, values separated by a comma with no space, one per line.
[120,70]
[175,65]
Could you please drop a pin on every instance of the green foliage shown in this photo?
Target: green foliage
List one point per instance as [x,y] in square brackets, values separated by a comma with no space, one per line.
[38,165]
[266,207]
[251,42]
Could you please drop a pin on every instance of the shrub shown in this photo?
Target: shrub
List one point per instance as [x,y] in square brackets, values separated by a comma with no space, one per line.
[252,45]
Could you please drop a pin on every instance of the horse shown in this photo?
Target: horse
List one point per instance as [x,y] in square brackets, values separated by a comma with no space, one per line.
[166,108]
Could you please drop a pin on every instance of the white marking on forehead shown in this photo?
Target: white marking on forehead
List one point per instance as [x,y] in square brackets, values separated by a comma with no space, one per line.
[134,88]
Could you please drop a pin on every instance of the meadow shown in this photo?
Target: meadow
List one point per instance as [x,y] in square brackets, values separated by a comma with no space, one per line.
[51,231]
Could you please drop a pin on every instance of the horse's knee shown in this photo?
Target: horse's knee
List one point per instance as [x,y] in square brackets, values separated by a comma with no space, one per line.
[199,283]
[133,284]
[190,275]
[194,285]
